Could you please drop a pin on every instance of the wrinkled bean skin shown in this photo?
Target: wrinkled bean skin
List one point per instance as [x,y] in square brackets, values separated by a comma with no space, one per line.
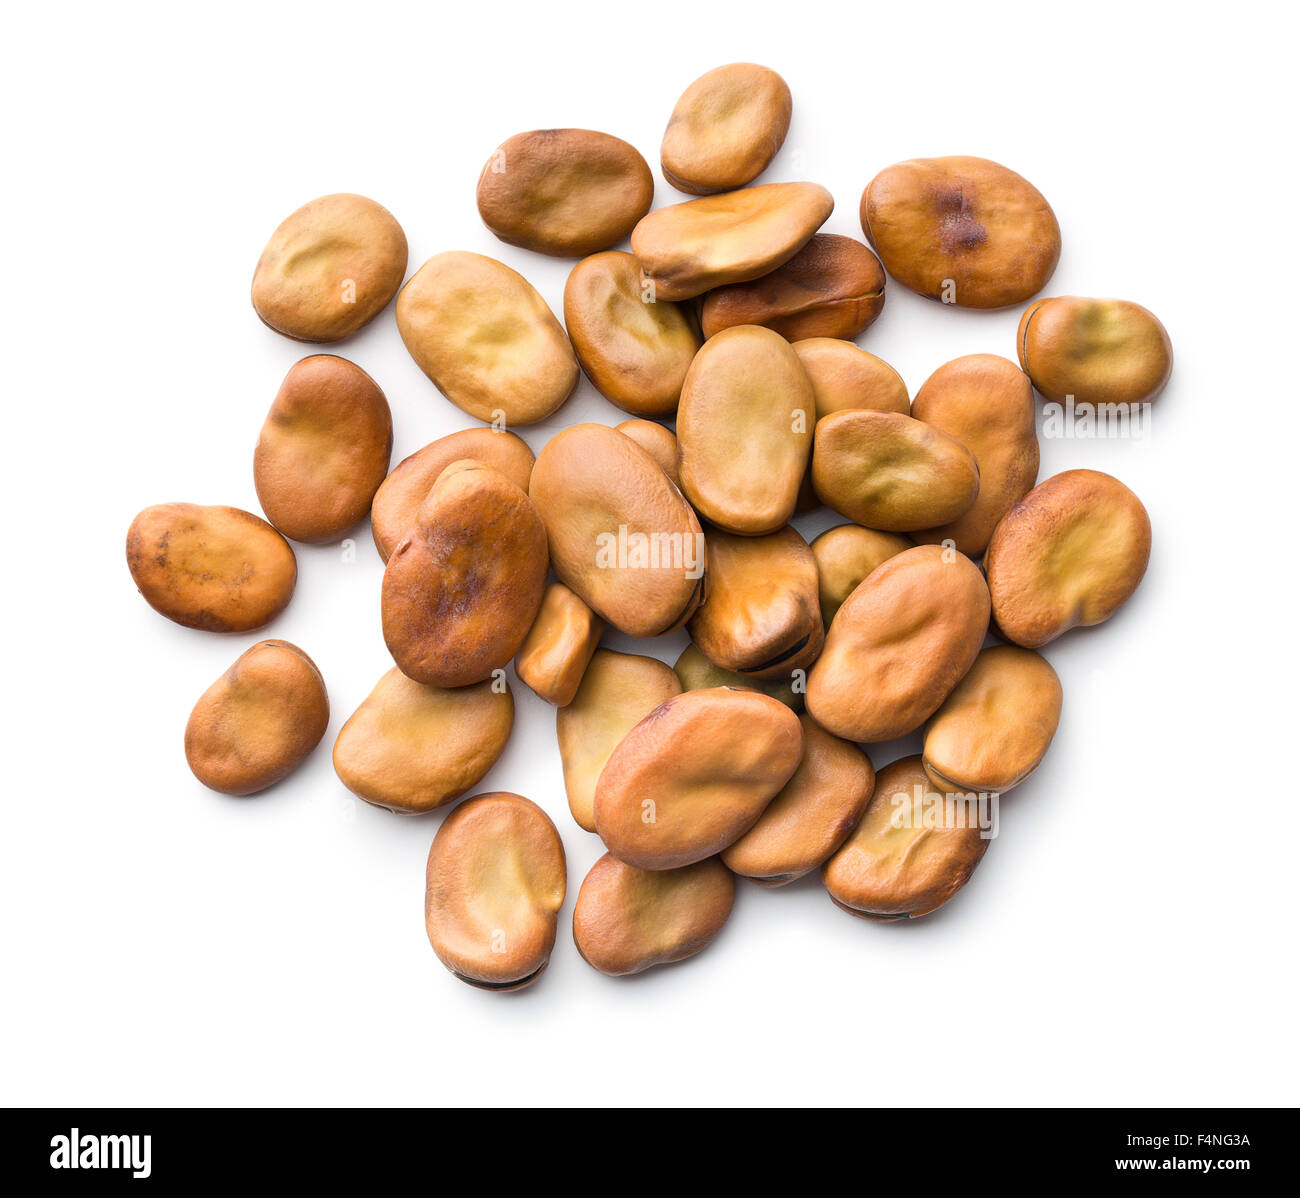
[697,673]
[1098,350]
[635,347]
[657,441]
[220,569]
[988,405]
[891,472]
[744,429]
[329,269]
[485,337]
[962,230]
[694,776]
[559,645]
[844,376]
[688,249]
[564,192]
[899,644]
[1069,554]
[995,727]
[258,721]
[617,692]
[809,819]
[762,618]
[412,748]
[845,555]
[888,872]
[392,514]
[589,482]
[726,127]
[463,588]
[323,450]
[627,919]
[494,887]
[833,287]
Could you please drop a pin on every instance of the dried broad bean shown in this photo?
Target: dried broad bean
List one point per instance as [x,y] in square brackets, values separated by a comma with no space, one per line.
[844,376]
[845,555]
[559,645]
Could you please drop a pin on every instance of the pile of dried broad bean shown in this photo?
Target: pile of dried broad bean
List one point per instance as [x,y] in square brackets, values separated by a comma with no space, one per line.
[726,336]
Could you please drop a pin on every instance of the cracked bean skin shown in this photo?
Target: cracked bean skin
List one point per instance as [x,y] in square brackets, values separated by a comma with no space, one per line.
[494,887]
[833,287]
[694,776]
[1069,554]
[887,872]
[486,339]
[891,472]
[634,347]
[220,569]
[329,269]
[627,920]
[463,587]
[744,430]
[809,819]
[697,673]
[657,441]
[323,450]
[1098,350]
[995,727]
[412,748]
[987,404]
[564,192]
[617,692]
[258,721]
[844,376]
[688,249]
[899,644]
[962,230]
[762,618]
[590,482]
[726,127]
[555,654]
[393,511]
[845,555]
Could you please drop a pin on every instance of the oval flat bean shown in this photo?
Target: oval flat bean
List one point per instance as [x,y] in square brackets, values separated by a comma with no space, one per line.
[845,555]
[697,673]
[657,441]
[844,376]
[559,645]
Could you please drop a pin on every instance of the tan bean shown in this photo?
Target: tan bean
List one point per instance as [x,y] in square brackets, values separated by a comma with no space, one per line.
[844,376]
[485,337]
[833,287]
[995,727]
[412,748]
[845,555]
[891,472]
[323,450]
[461,590]
[555,654]
[329,269]
[1098,350]
[688,249]
[258,721]
[899,644]
[565,192]
[694,776]
[494,887]
[634,346]
[392,514]
[618,691]
[762,617]
[809,819]
[726,127]
[216,568]
[657,441]
[1069,554]
[621,535]
[988,405]
[897,866]
[627,919]
[962,230]
[697,673]
[744,429]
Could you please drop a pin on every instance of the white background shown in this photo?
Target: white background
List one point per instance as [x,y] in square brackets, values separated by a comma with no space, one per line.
[1129,937]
